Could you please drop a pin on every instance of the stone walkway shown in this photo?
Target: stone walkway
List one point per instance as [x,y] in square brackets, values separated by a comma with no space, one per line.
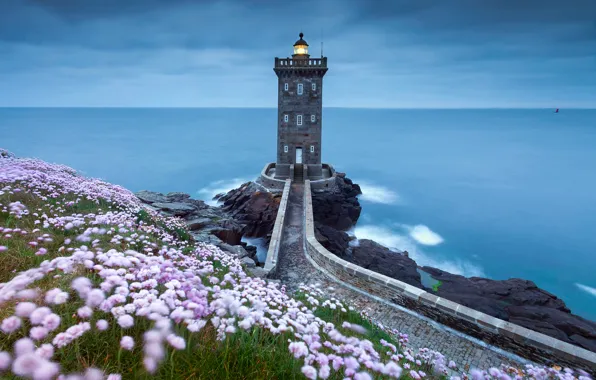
[294,268]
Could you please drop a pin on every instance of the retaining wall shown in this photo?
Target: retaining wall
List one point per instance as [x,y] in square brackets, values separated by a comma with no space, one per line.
[273,251]
[526,343]
[268,181]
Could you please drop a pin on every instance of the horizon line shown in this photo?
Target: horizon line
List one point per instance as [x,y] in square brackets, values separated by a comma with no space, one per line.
[273,108]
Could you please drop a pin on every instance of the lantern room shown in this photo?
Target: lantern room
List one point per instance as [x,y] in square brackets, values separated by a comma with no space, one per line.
[300,48]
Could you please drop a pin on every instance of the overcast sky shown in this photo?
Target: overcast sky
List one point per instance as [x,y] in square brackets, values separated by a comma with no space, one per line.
[393,53]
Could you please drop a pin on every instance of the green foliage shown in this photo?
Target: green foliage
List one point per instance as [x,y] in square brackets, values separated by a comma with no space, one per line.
[437,285]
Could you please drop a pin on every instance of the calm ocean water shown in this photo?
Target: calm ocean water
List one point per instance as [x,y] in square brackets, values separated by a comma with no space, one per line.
[496,193]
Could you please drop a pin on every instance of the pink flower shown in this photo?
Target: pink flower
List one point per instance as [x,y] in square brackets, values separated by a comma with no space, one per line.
[50,321]
[125,321]
[23,346]
[452,364]
[102,325]
[127,343]
[45,351]
[494,372]
[150,364]
[38,333]
[95,297]
[84,312]
[24,365]
[414,375]
[298,349]
[3,248]
[176,341]
[5,360]
[24,309]
[38,315]
[46,371]
[114,376]
[393,370]
[10,324]
[362,376]
[309,371]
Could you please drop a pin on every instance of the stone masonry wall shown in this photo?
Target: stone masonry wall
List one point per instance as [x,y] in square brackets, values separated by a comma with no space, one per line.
[274,243]
[526,343]
[292,104]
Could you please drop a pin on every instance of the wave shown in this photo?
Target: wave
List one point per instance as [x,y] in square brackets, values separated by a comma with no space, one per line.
[587,289]
[398,242]
[378,194]
[424,235]
[222,186]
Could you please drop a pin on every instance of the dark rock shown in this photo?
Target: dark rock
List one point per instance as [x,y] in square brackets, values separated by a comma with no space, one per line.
[254,207]
[177,197]
[334,240]
[198,223]
[338,207]
[518,301]
[151,197]
[235,249]
[250,263]
[373,256]
[176,208]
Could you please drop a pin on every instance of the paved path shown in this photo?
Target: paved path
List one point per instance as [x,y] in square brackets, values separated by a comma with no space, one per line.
[294,268]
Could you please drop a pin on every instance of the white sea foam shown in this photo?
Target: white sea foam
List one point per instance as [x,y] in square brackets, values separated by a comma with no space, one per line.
[396,241]
[378,194]
[218,187]
[587,289]
[424,235]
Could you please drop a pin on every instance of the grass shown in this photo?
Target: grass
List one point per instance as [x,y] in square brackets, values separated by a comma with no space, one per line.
[436,286]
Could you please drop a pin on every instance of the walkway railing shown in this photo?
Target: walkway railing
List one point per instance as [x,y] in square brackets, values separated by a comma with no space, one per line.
[524,342]
[273,251]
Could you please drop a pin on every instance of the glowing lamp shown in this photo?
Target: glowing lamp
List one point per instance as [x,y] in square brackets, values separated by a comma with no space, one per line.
[301,47]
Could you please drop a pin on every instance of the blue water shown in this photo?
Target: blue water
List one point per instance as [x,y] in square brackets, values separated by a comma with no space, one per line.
[497,193]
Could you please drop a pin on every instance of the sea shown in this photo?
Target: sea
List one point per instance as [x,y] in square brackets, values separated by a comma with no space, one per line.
[498,193]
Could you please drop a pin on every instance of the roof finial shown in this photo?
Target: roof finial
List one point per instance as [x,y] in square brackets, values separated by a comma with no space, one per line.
[301,35]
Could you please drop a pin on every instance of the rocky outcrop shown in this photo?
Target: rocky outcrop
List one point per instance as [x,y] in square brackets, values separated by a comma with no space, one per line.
[520,302]
[254,207]
[208,224]
[338,208]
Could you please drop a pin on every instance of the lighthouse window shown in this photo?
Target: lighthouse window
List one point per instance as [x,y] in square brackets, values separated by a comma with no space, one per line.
[300,88]
[285,149]
[286,118]
[312,118]
[314,86]
[312,148]
[286,87]
[299,119]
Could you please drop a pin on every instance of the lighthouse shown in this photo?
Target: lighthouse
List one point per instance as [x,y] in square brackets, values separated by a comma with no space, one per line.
[299,111]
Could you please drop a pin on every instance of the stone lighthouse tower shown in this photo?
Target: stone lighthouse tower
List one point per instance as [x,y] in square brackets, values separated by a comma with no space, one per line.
[300,111]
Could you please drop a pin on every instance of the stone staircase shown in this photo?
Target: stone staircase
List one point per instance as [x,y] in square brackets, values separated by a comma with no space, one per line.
[298,173]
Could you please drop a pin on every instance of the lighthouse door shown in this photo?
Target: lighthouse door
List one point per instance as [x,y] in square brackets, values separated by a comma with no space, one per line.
[298,156]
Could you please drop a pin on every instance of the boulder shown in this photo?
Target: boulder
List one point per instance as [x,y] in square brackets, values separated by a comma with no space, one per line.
[371,255]
[177,196]
[151,197]
[237,250]
[197,223]
[335,241]
[252,206]
[337,207]
[175,208]
[250,263]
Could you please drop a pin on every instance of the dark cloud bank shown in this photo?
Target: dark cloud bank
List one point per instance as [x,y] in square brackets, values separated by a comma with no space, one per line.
[395,53]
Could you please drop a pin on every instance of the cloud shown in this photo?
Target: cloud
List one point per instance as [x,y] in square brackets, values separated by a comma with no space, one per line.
[397,53]
[423,235]
[377,194]
[393,240]
[218,187]
[587,289]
